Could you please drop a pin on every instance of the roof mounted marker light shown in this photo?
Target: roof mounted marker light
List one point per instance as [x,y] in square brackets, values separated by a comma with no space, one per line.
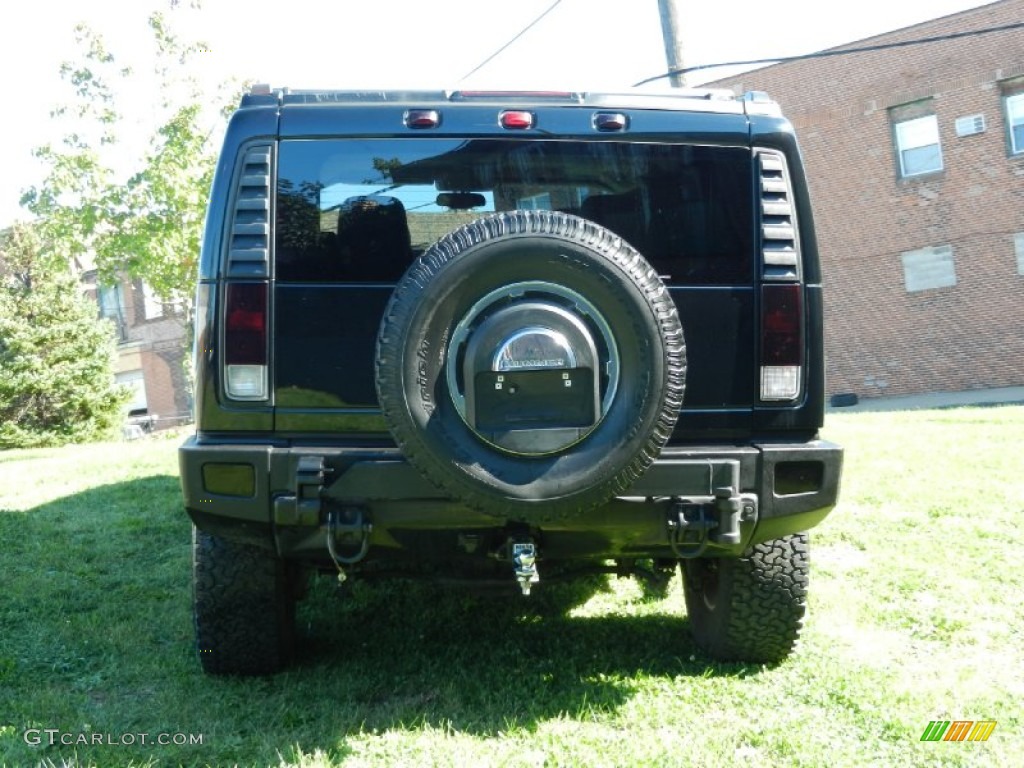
[514,119]
[610,121]
[422,118]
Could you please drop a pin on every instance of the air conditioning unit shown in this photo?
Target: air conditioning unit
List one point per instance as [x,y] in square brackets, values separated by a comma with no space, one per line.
[970,125]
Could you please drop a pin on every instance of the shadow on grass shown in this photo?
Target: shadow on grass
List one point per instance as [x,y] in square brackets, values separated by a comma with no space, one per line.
[97,634]
[415,652]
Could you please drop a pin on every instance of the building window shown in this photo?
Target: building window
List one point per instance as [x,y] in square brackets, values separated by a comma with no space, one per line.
[135,383]
[1015,122]
[153,308]
[928,268]
[1018,247]
[917,146]
[111,301]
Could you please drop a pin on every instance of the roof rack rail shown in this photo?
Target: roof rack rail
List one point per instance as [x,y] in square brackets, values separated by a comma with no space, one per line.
[263,94]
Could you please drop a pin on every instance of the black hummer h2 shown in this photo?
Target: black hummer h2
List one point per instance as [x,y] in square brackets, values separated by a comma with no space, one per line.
[509,336]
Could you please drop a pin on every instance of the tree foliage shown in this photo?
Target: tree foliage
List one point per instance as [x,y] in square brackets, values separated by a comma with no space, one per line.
[56,355]
[105,202]
[145,222]
[70,203]
[155,222]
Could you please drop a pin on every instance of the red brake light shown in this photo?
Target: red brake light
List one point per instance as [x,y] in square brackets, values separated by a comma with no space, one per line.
[245,337]
[781,339]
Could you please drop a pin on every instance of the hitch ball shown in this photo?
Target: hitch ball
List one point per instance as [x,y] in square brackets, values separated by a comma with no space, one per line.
[524,564]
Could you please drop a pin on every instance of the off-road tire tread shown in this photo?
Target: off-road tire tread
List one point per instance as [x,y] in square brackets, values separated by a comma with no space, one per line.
[244,607]
[761,603]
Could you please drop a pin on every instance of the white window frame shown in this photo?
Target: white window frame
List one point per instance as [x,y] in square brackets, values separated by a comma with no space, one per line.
[111,301]
[135,382]
[917,133]
[153,308]
[1015,119]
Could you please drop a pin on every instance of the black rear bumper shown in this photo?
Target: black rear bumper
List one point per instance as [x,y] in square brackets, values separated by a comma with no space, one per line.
[279,496]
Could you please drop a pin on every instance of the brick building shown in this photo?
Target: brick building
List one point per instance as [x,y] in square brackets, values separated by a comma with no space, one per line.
[916,163]
[151,343]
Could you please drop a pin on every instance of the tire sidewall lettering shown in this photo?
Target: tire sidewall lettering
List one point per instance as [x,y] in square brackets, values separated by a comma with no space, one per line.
[483,257]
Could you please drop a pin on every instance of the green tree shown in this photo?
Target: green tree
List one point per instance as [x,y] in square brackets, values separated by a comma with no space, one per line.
[154,223]
[72,200]
[56,355]
[147,222]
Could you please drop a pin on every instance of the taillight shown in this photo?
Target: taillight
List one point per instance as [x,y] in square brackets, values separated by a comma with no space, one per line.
[782,342]
[245,341]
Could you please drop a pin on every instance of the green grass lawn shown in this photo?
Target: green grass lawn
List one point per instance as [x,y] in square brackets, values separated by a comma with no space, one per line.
[915,615]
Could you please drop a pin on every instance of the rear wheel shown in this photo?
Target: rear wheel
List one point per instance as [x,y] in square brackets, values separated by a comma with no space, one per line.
[244,606]
[749,608]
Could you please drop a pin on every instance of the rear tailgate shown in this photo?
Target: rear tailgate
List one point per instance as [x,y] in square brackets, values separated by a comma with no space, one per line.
[357,194]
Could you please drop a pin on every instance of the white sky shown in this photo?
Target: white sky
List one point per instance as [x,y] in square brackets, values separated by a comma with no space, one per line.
[581,45]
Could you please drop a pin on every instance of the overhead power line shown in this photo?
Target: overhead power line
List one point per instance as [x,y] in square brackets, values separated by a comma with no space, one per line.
[843,52]
[522,32]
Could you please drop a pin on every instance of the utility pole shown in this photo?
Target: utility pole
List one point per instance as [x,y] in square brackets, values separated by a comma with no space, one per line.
[671,33]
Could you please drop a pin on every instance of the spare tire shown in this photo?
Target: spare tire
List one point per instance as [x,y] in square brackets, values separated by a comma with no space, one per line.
[531,364]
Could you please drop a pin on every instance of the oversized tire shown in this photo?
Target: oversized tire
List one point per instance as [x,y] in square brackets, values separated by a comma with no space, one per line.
[749,608]
[564,288]
[243,607]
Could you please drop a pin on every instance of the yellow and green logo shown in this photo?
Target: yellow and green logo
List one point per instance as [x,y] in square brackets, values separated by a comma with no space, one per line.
[958,730]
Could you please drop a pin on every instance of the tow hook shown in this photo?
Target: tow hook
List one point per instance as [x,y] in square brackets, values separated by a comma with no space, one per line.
[689,526]
[524,564]
[696,524]
[348,523]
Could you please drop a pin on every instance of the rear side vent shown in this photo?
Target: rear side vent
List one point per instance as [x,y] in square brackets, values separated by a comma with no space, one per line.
[249,238]
[782,331]
[779,241]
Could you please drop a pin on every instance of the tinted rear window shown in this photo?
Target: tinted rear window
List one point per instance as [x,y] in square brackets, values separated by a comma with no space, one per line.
[359,210]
